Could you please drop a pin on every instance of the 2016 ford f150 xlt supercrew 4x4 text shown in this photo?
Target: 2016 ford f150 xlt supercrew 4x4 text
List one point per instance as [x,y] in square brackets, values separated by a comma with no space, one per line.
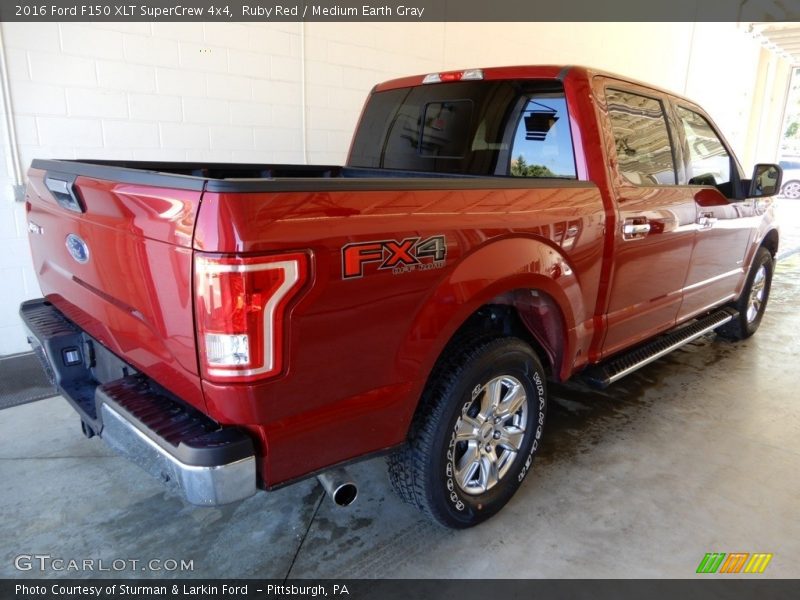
[240,327]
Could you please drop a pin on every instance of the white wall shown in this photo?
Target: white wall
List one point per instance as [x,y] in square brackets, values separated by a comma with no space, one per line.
[236,92]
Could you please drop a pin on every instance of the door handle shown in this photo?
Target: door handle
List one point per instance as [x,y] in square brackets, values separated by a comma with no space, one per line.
[633,229]
[706,220]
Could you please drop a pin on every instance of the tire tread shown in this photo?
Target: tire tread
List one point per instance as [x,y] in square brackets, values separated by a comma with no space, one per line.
[407,465]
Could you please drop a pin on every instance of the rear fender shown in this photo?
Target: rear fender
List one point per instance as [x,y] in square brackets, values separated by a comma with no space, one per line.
[528,273]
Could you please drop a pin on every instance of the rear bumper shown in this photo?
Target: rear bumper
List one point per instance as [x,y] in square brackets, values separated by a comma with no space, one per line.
[202,485]
[207,464]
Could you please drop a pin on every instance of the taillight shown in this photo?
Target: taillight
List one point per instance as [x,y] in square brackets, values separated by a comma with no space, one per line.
[240,308]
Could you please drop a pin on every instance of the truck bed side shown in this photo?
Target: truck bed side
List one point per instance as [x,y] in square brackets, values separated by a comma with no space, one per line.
[361,348]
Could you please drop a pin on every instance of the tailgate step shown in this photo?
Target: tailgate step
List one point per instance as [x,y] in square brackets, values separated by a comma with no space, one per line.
[184,432]
[604,374]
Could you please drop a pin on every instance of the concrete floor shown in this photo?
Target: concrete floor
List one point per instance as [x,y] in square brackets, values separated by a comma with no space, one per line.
[698,452]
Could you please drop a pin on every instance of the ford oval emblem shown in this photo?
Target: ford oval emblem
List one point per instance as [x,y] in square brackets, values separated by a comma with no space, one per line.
[77,248]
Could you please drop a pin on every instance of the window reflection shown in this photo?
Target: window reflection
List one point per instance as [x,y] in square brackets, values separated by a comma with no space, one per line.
[710,163]
[644,152]
[542,143]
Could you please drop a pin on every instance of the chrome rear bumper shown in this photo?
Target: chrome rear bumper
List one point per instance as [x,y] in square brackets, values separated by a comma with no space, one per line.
[207,464]
[201,485]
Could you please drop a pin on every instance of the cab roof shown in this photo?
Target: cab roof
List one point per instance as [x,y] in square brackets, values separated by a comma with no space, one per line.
[560,72]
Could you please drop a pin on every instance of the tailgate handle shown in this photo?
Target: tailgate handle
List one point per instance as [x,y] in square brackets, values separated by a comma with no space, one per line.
[62,186]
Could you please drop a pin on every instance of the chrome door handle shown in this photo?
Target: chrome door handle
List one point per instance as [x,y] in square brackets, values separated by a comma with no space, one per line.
[706,220]
[632,230]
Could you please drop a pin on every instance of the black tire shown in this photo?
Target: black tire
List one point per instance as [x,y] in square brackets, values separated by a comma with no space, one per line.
[756,289]
[425,471]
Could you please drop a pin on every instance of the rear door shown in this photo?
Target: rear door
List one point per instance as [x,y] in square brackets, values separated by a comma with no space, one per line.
[655,228]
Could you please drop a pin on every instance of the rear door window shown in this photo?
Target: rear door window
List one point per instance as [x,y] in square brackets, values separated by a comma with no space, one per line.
[644,149]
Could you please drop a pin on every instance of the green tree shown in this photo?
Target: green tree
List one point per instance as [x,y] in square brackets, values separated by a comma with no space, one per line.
[521,168]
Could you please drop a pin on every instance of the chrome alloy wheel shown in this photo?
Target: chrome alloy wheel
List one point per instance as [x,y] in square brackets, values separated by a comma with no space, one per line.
[489,434]
[756,294]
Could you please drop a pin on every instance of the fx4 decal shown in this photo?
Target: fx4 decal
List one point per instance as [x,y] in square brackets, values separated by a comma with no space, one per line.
[410,254]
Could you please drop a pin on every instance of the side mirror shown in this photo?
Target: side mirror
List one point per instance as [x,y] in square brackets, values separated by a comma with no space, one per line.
[766,180]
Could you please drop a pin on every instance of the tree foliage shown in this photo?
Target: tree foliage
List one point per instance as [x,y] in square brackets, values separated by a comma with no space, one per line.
[521,168]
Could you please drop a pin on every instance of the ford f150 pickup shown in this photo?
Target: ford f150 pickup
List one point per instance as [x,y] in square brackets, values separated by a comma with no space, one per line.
[240,327]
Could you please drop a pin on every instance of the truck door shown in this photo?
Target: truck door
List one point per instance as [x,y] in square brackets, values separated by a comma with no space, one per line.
[654,235]
[724,224]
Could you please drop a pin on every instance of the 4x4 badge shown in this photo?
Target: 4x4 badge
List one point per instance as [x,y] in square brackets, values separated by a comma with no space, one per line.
[410,254]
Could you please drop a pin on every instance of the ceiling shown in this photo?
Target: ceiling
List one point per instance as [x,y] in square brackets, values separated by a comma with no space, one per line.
[781,38]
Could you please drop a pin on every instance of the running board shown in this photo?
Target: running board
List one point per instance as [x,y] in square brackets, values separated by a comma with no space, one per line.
[604,374]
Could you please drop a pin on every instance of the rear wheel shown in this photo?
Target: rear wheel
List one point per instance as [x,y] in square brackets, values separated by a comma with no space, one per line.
[474,436]
[753,300]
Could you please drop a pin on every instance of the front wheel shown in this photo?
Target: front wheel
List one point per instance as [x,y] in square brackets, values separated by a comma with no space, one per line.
[474,436]
[753,300]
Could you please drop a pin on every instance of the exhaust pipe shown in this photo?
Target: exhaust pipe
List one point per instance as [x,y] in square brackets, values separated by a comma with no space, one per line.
[338,484]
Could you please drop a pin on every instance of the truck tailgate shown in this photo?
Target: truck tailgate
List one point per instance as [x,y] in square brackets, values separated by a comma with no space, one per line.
[116,259]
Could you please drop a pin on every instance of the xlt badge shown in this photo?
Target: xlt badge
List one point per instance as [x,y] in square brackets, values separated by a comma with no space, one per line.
[410,254]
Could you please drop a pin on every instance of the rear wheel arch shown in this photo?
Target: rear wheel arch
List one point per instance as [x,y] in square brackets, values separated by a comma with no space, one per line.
[528,314]
[535,310]
[507,274]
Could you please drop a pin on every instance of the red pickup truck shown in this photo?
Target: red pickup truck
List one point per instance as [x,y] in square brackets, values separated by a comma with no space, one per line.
[241,327]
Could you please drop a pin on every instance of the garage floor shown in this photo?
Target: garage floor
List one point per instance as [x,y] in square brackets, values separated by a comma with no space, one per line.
[698,452]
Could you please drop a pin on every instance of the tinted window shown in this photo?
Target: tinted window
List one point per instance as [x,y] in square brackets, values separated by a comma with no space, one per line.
[542,144]
[445,129]
[644,152]
[470,128]
[710,163]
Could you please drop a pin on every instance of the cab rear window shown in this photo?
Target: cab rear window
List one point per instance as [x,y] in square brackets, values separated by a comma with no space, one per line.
[482,128]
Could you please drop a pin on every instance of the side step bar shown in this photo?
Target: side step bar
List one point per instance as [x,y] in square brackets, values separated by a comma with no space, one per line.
[604,374]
